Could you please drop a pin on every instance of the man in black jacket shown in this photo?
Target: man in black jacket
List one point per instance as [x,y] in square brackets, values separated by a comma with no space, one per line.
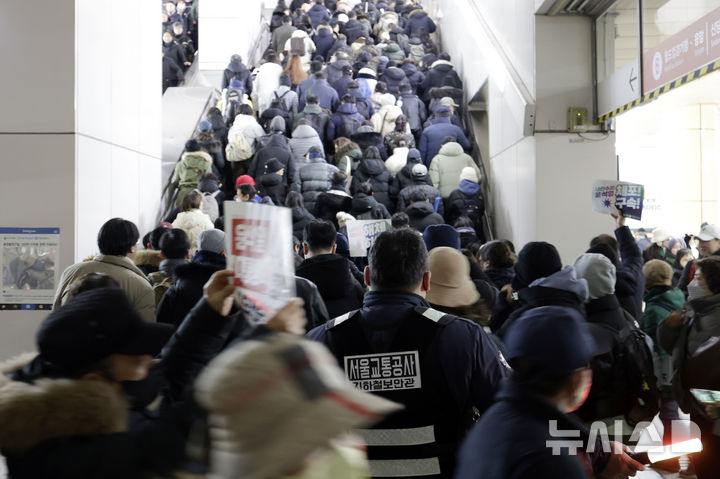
[329,271]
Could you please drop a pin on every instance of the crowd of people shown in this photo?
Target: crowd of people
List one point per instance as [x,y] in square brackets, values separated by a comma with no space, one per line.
[446,355]
[180,39]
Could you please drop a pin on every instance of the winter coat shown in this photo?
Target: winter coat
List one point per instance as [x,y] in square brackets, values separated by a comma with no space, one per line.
[275,148]
[340,85]
[440,74]
[120,268]
[660,301]
[433,136]
[280,36]
[324,41]
[236,70]
[175,52]
[562,288]
[374,171]
[630,283]
[446,167]
[405,178]
[467,197]
[193,165]
[186,290]
[367,85]
[331,274]
[334,70]
[371,138]
[171,73]
[330,202]
[193,222]
[366,207]
[303,138]
[267,81]
[288,97]
[300,218]
[500,276]
[148,260]
[339,46]
[309,47]
[414,109]
[354,30]
[315,177]
[363,105]
[391,139]
[347,112]
[249,128]
[422,214]
[318,14]
[315,310]
[431,192]
[419,20]
[413,75]
[453,119]
[394,77]
[67,428]
[327,96]
[214,149]
[397,160]
[384,120]
[394,52]
[310,111]
[272,185]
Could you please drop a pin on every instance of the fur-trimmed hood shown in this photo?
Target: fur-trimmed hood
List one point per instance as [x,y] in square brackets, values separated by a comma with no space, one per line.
[149,257]
[31,413]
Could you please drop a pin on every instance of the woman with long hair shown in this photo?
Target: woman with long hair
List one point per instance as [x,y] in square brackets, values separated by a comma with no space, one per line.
[295,69]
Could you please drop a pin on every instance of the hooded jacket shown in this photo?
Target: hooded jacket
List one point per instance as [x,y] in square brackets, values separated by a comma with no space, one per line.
[272,185]
[324,41]
[193,165]
[318,13]
[366,207]
[276,148]
[193,222]
[303,138]
[441,74]
[394,77]
[330,202]
[405,178]
[447,165]
[331,274]
[327,96]
[420,184]
[397,160]
[414,109]
[236,70]
[422,214]
[413,75]
[433,136]
[186,291]
[394,52]
[467,193]
[267,81]
[364,139]
[311,110]
[384,119]
[335,127]
[315,177]
[374,171]
[417,20]
[334,70]
[148,260]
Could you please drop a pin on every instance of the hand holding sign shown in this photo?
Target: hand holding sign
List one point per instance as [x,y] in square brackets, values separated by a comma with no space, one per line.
[611,197]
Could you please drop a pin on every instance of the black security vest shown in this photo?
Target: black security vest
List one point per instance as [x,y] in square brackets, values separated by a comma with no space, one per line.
[421,440]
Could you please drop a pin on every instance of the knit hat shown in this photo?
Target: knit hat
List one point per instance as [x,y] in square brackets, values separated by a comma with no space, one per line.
[537,259]
[469,174]
[553,339]
[244,180]
[94,325]
[599,273]
[450,283]
[447,101]
[414,153]
[204,126]
[273,165]
[263,395]
[211,240]
[660,235]
[441,235]
[419,170]
[657,273]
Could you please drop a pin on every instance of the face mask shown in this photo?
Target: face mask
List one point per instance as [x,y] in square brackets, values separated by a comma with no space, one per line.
[695,290]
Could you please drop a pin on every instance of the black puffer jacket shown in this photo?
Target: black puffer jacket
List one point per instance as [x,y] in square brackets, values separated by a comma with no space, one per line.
[300,218]
[331,274]
[422,215]
[374,171]
[394,77]
[276,148]
[329,203]
[315,310]
[365,207]
[370,138]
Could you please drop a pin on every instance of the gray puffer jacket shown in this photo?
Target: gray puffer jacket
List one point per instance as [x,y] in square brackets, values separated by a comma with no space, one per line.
[315,178]
[303,138]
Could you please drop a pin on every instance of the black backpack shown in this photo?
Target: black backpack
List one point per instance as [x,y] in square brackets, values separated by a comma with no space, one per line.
[363,107]
[280,104]
[634,364]
[349,124]
[472,208]
[315,122]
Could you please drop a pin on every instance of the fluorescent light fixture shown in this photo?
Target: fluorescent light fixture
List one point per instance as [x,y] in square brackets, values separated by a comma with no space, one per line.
[661,453]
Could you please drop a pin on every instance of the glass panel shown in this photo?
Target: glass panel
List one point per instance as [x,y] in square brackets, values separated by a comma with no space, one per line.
[618,38]
[664,18]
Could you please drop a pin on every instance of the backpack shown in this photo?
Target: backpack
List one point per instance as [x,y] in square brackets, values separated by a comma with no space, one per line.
[210,205]
[363,107]
[315,122]
[297,46]
[634,365]
[471,209]
[238,147]
[280,104]
[349,124]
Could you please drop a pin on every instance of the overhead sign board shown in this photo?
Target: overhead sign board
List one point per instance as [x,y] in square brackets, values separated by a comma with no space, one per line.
[682,53]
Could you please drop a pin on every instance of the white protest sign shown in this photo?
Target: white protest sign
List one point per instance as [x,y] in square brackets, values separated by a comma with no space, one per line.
[259,241]
[363,233]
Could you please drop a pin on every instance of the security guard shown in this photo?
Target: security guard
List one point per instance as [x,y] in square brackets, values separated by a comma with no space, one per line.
[444,369]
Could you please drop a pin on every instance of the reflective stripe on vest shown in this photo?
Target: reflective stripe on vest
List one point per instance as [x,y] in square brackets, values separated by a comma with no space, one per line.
[405,467]
[398,437]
